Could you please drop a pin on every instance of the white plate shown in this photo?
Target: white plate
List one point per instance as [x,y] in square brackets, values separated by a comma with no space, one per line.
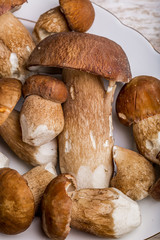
[144,60]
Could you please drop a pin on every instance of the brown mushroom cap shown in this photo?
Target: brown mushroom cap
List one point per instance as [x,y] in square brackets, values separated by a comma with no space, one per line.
[7,5]
[139,99]
[10,93]
[47,87]
[16,202]
[82,51]
[56,206]
[79,14]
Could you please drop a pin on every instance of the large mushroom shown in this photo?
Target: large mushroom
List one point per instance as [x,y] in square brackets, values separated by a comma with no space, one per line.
[138,104]
[102,212]
[85,145]
[16,45]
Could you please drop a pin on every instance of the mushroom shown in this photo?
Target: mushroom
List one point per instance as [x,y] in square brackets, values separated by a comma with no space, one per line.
[41,116]
[10,93]
[16,45]
[33,155]
[50,22]
[76,15]
[102,212]
[4,161]
[79,14]
[138,104]
[10,5]
[135,175]
[20,196]
[85,145]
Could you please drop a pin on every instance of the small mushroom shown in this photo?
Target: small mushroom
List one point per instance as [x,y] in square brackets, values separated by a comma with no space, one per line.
[20,196]
[79,14]
[4,161]
[16,45]
[50,22]
[102,212]
[10,5]
[135,175]
[138,103]
[41,116]
[10,93]
[33,155]
[85,144]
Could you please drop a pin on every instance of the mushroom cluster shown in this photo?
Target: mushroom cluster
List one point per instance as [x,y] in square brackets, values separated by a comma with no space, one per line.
[99,183]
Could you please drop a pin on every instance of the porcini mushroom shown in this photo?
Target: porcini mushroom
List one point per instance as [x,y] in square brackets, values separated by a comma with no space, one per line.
[138,104]
[16,45]
[33,155]
[85,145]
[20,196]
[10,5]
[96,211]
[79,14]
[135,175]
[10,93]
[50,22]
[41,116]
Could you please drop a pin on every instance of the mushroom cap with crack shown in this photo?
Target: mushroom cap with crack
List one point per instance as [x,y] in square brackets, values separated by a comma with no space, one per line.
[47,87]
[84,52]
[16,201]
[56,206]
[79,14]
[10,93]
[138,100]
[8,5]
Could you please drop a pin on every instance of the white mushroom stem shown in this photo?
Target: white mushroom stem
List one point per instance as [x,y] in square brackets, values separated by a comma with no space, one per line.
[4,161]
[85,145]
[38,178]
[104,212]
[10,131]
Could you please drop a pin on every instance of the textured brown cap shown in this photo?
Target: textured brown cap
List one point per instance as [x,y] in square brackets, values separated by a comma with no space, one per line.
[10,93]
[56,207]
[79,14]
[82,51]
[7,5]
[155,190]
[139,99]
[47,87]
[16,202]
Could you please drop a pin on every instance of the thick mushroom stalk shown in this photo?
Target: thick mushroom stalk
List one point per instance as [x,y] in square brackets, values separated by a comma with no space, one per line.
[33,155]
[20,196]
[86,142]
[138,103]
[85,145]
